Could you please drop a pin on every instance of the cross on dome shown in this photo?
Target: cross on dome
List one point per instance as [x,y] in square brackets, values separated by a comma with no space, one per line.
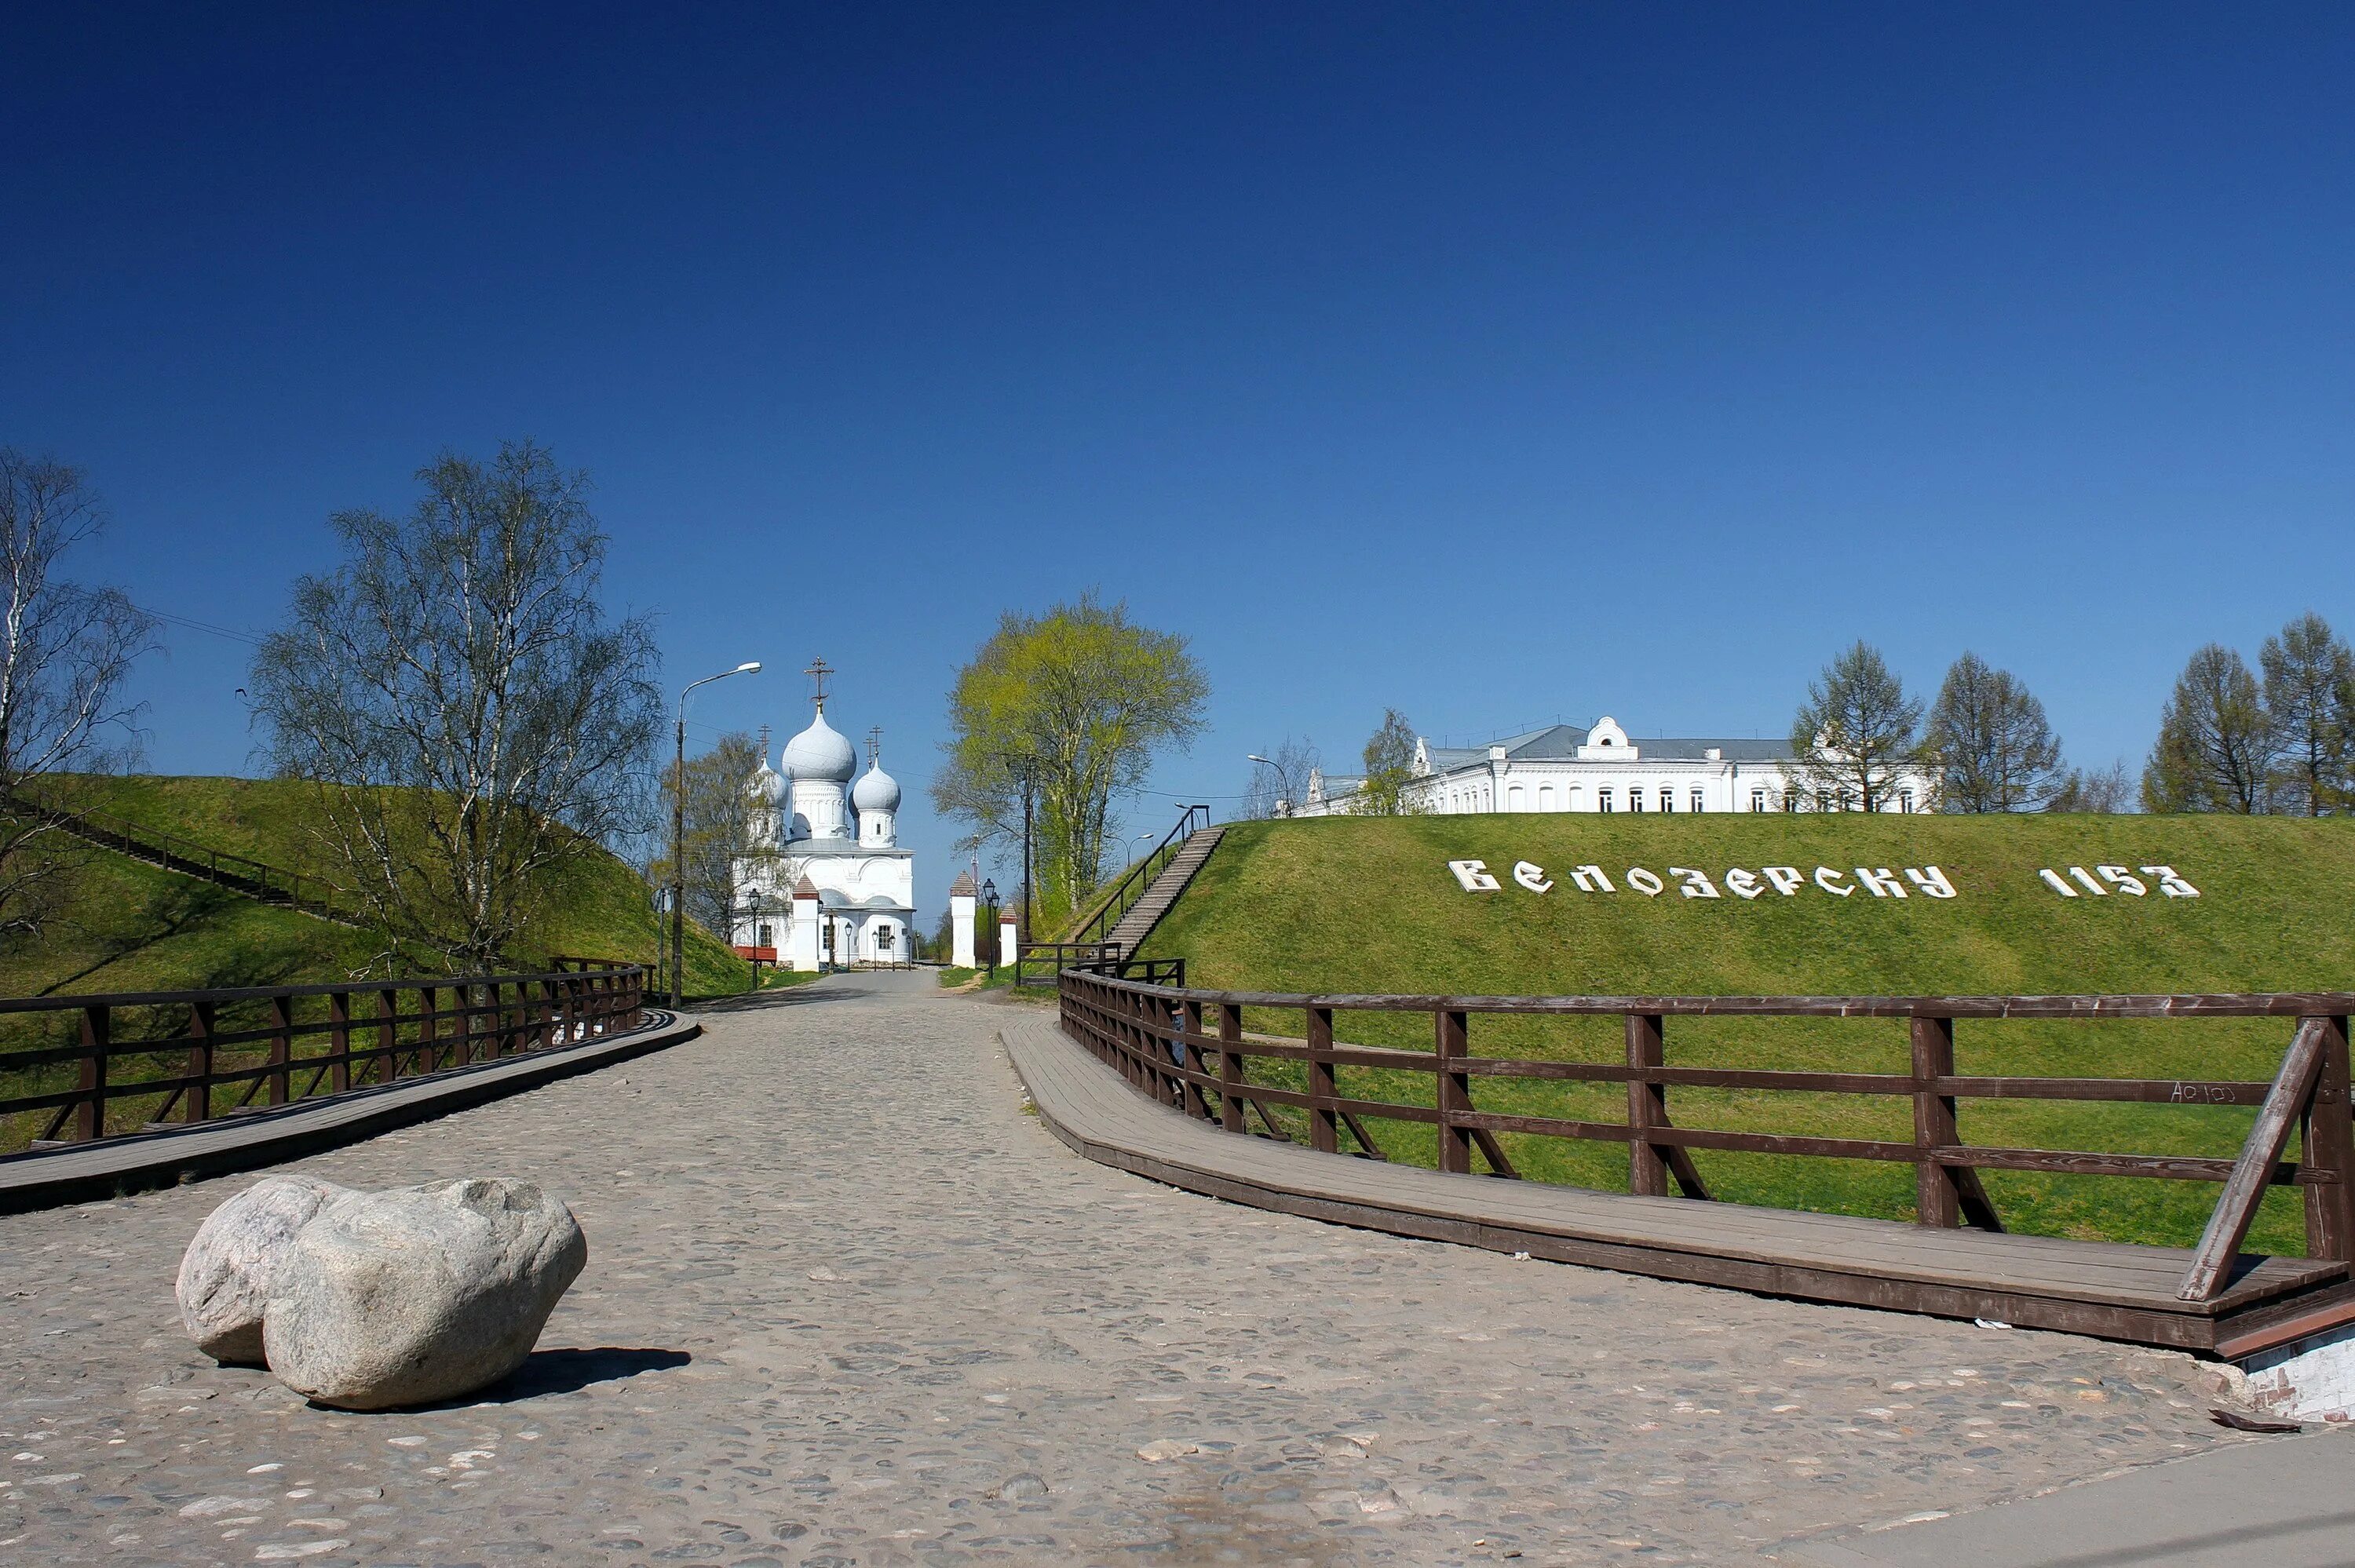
[817,672]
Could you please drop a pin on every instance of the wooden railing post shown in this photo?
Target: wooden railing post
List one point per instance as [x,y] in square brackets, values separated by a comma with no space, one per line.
[429,1007]
[2328,1150]
[339,1041]
[1190,1017]
[97,1037]
[1323,1127]
[1936,1201]
[1451,1031]
[282,1048]
[1943,1195]
[1231,1066]
[1647,1106]
[199,1101]
[387,1036]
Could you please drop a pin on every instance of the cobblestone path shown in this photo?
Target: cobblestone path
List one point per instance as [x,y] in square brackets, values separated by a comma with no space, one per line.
[847,1304]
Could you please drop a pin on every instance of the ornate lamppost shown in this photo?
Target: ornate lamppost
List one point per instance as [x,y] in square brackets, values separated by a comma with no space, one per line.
[989,902]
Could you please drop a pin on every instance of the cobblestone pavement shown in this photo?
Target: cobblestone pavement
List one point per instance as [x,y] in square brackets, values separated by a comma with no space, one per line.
[847,1304]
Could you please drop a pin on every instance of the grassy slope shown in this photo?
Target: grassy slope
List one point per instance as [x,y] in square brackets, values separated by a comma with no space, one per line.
[135,927]
[1350,906]
[128,927]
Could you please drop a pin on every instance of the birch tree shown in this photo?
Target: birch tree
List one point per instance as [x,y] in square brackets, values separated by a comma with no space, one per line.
[66,653]
[471,716]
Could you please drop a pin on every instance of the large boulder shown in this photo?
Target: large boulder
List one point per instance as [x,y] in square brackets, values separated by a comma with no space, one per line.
[420,1293]
[227,1274]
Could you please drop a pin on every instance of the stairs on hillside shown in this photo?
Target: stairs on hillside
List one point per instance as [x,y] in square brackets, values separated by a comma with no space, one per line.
[241,875]
[1148,911]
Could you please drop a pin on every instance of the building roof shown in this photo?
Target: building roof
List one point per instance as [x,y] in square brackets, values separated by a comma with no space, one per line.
[1559,742]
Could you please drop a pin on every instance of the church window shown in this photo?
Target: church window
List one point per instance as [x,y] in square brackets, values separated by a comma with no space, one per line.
[1698,799]
[1603,799]
[1757,799]
[765,937]
[1906,801]
[1790,799]
[1668,799]
[1635,799]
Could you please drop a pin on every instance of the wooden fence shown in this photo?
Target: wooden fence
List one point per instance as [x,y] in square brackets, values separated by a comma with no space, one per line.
[1189,1049]
[142,1060]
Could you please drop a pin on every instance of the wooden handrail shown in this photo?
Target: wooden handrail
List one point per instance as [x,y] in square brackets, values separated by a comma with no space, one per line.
[1157,1035]
[447,1022]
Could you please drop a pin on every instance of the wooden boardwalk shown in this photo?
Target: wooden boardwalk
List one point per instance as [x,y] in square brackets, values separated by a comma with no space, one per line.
[2111,1289]
[112,1167]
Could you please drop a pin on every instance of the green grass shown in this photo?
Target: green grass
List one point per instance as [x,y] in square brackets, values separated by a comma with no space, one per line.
[123,925]
[1342,905]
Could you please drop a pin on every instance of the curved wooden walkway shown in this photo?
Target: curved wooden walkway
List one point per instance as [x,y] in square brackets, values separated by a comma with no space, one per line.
[2111,1289]
[114,1166]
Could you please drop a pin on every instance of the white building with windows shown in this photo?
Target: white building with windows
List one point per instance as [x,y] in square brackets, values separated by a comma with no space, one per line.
[825,882]
[1562,768]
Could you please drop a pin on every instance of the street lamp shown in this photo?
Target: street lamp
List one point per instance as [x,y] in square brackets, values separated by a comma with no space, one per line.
[678,834]
[754,900]
[989,902]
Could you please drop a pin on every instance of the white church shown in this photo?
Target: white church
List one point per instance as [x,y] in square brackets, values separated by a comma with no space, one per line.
[1562,768]
[825,883]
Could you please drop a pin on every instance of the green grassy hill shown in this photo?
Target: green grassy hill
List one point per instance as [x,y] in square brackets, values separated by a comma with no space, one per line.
[1344,905]
[127,926]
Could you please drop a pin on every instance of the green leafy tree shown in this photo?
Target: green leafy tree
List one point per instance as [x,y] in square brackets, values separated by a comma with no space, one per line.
[2215,750]
[2311,695]
[1854,736]
[1989,743]
[471,716]
[1068,709]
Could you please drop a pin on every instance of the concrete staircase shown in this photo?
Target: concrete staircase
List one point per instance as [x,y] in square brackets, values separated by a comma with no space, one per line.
[1148,911]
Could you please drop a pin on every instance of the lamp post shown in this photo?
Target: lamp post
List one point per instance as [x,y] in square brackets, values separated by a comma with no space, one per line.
[678,834]
[754,901]
[989,902]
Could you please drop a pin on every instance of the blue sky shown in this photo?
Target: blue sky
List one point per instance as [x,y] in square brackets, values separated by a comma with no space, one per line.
[1500,364]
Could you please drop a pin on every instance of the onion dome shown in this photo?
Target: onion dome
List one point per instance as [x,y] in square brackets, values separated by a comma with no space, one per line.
[818,752]
[766,786]
[876,791]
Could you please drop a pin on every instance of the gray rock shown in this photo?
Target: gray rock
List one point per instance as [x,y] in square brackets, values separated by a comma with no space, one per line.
[228,1271]
[420,1293]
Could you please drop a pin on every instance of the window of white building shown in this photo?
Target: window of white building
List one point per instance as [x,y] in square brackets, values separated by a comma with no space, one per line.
[1635,799]
[1514,799]
[1545,797]
[1603,799]
[1757,799]
[1906,801]
[1699,801]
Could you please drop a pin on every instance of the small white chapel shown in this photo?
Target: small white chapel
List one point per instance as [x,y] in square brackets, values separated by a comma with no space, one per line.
[825,883]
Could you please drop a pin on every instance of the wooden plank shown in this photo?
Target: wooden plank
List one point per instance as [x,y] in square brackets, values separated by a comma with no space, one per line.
[2236,1206]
